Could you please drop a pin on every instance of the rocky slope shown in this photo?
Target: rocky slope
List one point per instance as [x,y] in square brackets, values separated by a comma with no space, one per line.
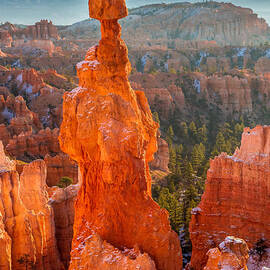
[182,95]
[114,214]
[236,197]
[30,114]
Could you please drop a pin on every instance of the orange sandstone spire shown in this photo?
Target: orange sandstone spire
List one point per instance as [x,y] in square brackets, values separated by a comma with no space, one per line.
[236,199]
[108,129]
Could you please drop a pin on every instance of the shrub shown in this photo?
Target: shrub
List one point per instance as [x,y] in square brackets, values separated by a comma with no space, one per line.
[65,182]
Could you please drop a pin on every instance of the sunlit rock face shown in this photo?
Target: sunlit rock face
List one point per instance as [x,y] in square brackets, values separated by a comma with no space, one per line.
[27,234]
[230,254]
[236,197]
[108,129]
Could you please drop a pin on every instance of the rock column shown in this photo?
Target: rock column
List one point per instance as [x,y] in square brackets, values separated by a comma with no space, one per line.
[108,129]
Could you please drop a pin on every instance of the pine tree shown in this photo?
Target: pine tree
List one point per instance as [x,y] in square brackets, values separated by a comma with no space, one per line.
[184,130]
[238,130]
[171,204]
[226,131]
[202,134]
[189,202]
[179,160]
[201,149]
[172,162]
[169,136]
[156,117]
[195,158]
[188,172]
[220,145]
[193,132]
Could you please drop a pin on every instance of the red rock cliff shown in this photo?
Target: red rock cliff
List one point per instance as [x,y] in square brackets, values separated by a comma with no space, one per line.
[108,129]
[236,198]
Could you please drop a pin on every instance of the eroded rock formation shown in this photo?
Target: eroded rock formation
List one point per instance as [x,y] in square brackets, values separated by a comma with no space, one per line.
[236,197]
[108,129]
[28,146]
[26,220]
[162,156]
[231,254]
[38,36]
[62,201]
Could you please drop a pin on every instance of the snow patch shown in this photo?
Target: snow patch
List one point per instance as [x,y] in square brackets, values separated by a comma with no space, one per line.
[144,60]
[240,52]
[76,91]
[89,64]
[254,263]
[8,115]
[267,53]
[196,211]
[202,55]
[197,85]
[19,78]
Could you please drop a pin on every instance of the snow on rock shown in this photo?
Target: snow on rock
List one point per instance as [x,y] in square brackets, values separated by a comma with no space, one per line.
[201,56]
[197,85]
[7,114]
[19,78]
[88,64]
[255,263]
[240,52]
[196,211]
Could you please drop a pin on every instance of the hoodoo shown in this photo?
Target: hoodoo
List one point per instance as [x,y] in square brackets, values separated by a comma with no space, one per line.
[108,129]
[27,233]
[230,254]
[236,198]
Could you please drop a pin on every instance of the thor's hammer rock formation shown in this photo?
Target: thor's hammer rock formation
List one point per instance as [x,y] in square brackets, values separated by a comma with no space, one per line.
[108,129]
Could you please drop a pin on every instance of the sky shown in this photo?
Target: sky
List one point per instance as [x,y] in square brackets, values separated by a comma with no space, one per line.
[71,11]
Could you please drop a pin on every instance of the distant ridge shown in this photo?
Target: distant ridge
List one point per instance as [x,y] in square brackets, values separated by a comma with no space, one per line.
[185,24]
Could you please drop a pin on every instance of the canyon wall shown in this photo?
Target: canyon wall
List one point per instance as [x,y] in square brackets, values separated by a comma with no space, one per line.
[108,129]
[236,197]
[194,25]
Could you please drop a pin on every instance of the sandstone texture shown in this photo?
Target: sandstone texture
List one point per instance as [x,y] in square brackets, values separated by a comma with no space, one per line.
[161,157]
[62,202]
[231,254]
[26,219]
[108,129]
[59,166]
[236,197]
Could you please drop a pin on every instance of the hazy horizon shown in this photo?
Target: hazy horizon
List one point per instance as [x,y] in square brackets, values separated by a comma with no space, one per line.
[69,11]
